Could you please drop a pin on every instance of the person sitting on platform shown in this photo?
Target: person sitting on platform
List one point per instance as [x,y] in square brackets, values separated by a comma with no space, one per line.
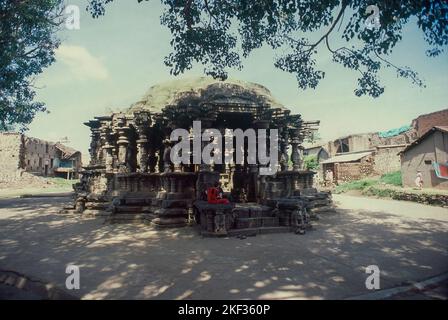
[215,195]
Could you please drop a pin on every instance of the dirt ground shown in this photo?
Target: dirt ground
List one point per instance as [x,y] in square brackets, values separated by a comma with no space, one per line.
[407,241]
[31,184]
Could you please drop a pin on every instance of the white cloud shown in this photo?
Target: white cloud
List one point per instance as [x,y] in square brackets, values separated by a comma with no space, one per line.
[81,63]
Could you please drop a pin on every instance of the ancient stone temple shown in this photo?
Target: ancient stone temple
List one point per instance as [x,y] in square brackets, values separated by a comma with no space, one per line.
[131,176]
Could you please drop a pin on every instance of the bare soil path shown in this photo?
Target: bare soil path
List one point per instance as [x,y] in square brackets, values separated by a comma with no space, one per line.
[407,241]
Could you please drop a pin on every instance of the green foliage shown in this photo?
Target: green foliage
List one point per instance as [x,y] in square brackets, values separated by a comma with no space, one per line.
[310,162]
[393,178]
[368,186]
[219,34]
[355,185]
[378,192]
[27,42]
[313,137]
[62,182]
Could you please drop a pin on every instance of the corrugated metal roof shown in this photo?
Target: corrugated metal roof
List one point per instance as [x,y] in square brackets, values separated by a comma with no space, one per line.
[348,157]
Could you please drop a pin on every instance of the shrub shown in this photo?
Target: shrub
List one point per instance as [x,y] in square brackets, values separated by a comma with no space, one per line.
[393,178]
[378,192]
[355,185]
[310,162]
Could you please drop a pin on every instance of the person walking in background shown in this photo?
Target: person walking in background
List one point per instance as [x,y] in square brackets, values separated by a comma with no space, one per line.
[419,180]
[329,178]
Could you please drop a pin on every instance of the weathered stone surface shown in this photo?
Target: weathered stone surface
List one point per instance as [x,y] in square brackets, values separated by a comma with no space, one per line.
[173,222]
[132,168]
[171,212]
[175,203]
[416,196]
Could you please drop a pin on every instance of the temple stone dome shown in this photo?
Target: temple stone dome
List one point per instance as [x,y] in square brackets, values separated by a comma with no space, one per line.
[203,90]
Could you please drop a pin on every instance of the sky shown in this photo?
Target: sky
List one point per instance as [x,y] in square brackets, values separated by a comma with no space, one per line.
[110,62]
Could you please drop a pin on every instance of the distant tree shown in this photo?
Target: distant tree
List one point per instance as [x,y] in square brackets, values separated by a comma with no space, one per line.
[310,162]
[313,137]
[219,33]
[27,44]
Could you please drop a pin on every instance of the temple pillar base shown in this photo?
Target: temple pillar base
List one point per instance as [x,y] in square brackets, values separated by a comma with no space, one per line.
[170,218]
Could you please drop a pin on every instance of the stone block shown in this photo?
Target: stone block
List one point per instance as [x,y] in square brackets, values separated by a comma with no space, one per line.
[164,222]
[242,212]
[270,222]
[175,203]
[172,212]
[248,223]
[178,196]
[137,201]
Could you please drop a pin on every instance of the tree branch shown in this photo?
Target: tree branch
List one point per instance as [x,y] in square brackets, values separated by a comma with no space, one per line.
[325,36]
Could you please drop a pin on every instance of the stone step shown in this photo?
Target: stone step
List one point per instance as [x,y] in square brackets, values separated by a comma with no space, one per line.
[257,222]
[129,218]
[255,231]
[321,209]
[97,205]
[136,201]
[169,222]
[132,209]
[91,213]
[319,202]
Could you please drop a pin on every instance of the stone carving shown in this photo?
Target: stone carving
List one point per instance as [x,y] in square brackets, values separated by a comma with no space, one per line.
[131,163]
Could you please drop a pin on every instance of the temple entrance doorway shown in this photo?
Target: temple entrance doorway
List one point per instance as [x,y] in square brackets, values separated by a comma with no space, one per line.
[236,178]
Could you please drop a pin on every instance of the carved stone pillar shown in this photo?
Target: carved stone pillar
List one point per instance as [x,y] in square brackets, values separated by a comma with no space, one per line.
[107,146]
[94,145]
[123,145]
[109,157]
[284,149]
[167,156]
[152,160]
[177,166]
[205,124]
[142,121]
[142,153]
[295,154]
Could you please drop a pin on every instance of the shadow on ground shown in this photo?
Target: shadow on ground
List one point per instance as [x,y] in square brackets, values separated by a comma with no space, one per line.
[138,262]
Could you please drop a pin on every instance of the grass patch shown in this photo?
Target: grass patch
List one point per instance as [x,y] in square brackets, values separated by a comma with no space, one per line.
[61,182]
[355,185]
[378,192]
[393,178]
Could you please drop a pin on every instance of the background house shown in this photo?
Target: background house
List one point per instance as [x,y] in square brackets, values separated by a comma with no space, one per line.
[426,122]
[69,162]
[384,148]
[349,166]
[431,147]
[39,157]
[319,152]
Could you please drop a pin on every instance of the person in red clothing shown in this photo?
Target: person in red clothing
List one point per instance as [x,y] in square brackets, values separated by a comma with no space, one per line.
[215,195]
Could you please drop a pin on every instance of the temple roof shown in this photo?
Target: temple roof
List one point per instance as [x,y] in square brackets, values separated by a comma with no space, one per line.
[203,90]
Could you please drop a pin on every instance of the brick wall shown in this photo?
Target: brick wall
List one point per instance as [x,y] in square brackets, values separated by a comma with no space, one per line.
[38,155]
[349,171]
[11,154]
[387,159]
[369,141]
[425,122]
